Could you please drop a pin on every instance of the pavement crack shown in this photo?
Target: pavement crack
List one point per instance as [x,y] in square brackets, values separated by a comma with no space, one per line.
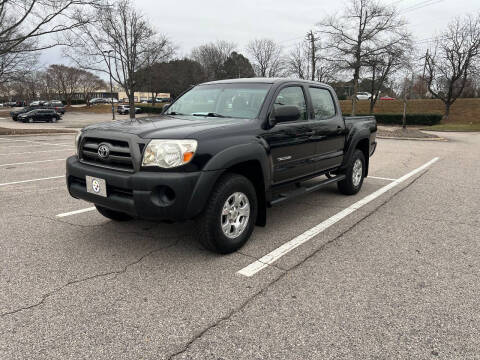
[250,299]
[116,273]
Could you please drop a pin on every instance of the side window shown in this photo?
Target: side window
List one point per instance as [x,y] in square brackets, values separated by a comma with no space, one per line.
[323,105]
[292,96]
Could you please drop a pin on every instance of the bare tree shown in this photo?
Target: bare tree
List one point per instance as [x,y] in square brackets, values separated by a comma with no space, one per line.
[267,57]
[297,62]
[120,41]
[382,66]
[23,23]
[65,79]
[453,60]
[365,28]
[88,83]
[212,57]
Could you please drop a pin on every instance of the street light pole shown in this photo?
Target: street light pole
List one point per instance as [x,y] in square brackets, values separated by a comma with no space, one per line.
[111,84]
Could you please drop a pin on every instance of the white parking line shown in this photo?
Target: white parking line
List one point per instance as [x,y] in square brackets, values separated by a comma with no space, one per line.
[276,254]
[32,180]
[32,162]
[380,178]
[30,145]
[32,152]
[76,212]
[35,142]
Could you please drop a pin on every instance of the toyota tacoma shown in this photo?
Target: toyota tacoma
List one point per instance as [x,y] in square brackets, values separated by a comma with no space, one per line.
[221,154]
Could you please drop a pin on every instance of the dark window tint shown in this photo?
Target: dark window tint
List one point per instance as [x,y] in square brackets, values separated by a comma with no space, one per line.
[323,105]
[292,96]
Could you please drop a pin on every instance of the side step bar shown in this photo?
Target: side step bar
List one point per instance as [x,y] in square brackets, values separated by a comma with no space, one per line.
[305,189]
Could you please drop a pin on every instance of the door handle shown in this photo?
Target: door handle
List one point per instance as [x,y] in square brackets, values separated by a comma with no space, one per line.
[339,130]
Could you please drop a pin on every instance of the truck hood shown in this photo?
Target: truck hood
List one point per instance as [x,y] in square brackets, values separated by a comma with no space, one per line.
[165,126]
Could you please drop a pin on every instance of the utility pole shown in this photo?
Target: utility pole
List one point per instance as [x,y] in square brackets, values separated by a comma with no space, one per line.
[111,84]
[313,52]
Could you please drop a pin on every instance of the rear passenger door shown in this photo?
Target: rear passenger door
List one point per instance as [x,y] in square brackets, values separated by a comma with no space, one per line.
[328,126]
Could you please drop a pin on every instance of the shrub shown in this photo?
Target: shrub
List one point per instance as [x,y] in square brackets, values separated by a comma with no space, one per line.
[412,119]
[149,109]
[76,102]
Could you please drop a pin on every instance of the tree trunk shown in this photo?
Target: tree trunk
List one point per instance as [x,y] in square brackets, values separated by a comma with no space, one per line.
[356,75]
[447,110]
[131,103]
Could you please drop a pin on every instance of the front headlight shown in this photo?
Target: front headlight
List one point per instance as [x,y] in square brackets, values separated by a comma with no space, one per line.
[169,153]
[77,139]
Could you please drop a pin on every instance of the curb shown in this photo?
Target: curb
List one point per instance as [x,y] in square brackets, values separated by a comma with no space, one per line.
[415,139]
[10,131]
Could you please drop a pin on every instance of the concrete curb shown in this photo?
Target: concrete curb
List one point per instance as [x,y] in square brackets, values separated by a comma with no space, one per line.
[13,131]
[415,139]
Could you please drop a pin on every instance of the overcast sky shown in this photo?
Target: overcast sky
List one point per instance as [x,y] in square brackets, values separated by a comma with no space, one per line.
[190,23]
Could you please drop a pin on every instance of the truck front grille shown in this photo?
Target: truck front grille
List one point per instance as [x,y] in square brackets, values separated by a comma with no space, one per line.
[118,158]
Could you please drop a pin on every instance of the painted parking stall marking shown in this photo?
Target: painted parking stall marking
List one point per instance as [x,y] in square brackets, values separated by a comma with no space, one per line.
[32,180]
[276,254]
[32,162]
[34,152]
[76,212]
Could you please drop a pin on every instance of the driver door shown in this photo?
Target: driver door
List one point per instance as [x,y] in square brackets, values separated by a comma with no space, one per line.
[291,147]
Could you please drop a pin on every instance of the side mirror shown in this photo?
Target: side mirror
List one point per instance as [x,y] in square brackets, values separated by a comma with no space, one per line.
[284,114]
[165,108]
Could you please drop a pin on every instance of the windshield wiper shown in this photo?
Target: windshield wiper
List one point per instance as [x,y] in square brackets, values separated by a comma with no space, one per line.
[174,113]
[210,114]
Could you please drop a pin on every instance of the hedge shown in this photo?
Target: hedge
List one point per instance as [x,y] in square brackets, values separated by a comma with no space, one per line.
[412,119]
[157,109]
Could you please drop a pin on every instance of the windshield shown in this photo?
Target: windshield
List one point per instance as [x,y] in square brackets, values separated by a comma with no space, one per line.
[222,100]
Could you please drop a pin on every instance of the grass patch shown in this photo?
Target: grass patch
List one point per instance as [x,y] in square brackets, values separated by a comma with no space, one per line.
[453,127]
[463,111]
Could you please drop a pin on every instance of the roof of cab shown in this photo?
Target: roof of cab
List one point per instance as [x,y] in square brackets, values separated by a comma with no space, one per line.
[259,80]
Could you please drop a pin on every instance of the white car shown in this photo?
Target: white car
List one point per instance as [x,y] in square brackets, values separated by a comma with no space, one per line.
[364,96]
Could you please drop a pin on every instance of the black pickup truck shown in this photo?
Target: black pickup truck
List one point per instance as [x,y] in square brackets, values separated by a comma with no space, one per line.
[221,154]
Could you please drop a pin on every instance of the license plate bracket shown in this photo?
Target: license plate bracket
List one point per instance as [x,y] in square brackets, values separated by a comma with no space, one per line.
[96,186]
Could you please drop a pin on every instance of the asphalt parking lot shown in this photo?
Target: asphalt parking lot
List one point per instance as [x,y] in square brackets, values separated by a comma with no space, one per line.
[392,272]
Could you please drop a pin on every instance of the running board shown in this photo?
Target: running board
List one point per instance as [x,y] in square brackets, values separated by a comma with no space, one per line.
[305,189]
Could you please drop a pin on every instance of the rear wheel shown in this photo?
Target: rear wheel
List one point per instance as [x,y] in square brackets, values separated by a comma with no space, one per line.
[355,173]
[54,120]
[229,217]
[112,214]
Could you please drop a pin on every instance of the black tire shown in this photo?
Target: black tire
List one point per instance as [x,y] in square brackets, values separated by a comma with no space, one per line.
[209,222]
[112,214]
[348,185]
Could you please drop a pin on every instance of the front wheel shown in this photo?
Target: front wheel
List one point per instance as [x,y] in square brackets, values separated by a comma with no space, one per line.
[355,172]
[229,217]
[54,120]
[112,214]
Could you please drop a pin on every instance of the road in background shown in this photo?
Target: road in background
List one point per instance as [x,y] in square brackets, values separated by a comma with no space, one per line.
[397,278]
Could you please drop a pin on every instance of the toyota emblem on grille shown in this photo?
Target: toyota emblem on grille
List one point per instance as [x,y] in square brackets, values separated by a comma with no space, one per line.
[103,151]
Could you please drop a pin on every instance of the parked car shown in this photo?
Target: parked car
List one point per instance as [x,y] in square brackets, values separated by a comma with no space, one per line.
[56,105]
[15,113]
[45,115]
[96,101]
[364,96]
[110,100]
[38,103]
[387,98]
[1,105]
[221,154]
[125,109]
